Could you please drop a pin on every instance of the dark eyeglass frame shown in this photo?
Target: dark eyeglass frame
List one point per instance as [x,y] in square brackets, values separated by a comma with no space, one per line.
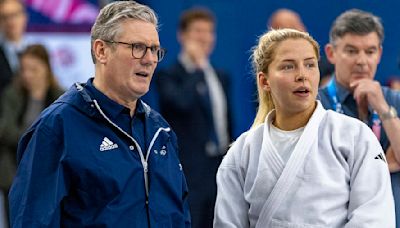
[154,50]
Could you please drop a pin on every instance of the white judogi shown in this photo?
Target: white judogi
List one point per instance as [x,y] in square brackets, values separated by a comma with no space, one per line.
[336,176]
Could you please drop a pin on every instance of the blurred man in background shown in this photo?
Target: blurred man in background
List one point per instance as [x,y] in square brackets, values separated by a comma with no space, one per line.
[355,48]
[194,100]
[286,18]
[13,22]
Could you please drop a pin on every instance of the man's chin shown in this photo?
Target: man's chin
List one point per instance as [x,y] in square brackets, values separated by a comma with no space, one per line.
[142,92]
[359,76]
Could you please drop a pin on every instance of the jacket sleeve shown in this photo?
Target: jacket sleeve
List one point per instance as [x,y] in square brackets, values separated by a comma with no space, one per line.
[371,201]
[40,184]
[231,208]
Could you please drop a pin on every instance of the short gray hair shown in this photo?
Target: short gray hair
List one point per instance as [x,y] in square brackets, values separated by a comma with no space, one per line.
[356,22]
[107,24]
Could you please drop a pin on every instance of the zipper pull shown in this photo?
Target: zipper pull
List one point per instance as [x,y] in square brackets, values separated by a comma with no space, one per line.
[145,167]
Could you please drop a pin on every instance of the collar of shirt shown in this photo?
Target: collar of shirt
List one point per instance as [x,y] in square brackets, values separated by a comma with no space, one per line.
[18,47]
[11,50]
[341,92]
[109,106]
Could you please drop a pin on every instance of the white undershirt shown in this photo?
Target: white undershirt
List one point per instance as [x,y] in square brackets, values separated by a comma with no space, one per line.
[284,141]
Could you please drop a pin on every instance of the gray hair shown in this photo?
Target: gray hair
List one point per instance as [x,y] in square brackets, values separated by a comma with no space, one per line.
[356,22]
[109,20]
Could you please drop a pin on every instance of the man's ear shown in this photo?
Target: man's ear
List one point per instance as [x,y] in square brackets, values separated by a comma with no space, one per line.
[330,53]
[100,51]
[263,81]
[380,53]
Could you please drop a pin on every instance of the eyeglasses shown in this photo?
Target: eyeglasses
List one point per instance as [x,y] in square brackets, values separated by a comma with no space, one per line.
[139,50]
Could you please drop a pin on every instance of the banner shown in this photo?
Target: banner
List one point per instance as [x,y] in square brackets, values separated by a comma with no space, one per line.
[63,26]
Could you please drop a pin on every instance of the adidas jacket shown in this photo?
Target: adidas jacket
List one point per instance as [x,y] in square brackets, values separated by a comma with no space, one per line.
[77,168]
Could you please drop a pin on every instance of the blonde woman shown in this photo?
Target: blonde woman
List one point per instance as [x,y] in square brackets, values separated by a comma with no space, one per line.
[300,165]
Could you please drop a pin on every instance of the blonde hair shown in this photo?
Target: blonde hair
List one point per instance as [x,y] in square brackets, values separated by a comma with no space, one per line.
[262,56]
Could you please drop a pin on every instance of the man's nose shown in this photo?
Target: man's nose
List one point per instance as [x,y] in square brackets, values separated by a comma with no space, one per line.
[361,58]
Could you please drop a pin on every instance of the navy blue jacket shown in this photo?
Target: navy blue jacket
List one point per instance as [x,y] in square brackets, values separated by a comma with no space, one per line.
[78,168]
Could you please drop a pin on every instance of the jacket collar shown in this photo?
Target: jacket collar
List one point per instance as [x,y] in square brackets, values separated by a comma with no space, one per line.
[81,96]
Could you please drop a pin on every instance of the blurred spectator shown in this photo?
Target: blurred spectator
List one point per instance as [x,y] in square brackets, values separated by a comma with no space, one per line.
[286,18]
[30,92]
[13,21]
[194,100]
[355,48]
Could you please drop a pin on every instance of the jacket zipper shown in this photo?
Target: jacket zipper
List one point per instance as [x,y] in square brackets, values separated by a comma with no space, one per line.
[142,158]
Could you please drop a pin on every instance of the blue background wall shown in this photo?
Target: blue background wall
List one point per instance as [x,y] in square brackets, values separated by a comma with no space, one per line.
[241,22]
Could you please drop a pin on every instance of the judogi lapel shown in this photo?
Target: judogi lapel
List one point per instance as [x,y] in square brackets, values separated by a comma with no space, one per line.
[306,143]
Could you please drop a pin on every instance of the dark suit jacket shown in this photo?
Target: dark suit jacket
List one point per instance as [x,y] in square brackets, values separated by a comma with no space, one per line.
[6,73]
[184,102]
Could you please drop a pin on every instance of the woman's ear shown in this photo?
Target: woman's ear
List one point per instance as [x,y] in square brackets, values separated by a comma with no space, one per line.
[263,81]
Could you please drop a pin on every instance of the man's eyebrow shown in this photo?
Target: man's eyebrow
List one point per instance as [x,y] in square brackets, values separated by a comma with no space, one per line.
[354,47]
[350,46]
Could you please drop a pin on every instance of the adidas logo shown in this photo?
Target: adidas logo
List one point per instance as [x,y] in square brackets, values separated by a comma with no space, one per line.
[107,145]
[380,156]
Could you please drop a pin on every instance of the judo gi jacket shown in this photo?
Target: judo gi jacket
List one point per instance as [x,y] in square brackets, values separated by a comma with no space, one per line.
[336,177]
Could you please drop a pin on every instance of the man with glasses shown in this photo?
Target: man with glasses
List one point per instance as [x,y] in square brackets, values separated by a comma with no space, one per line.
[193,98]
[99,156]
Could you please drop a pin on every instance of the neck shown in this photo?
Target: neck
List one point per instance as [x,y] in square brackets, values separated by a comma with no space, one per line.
[342,84]
[292,121]
[131,104]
